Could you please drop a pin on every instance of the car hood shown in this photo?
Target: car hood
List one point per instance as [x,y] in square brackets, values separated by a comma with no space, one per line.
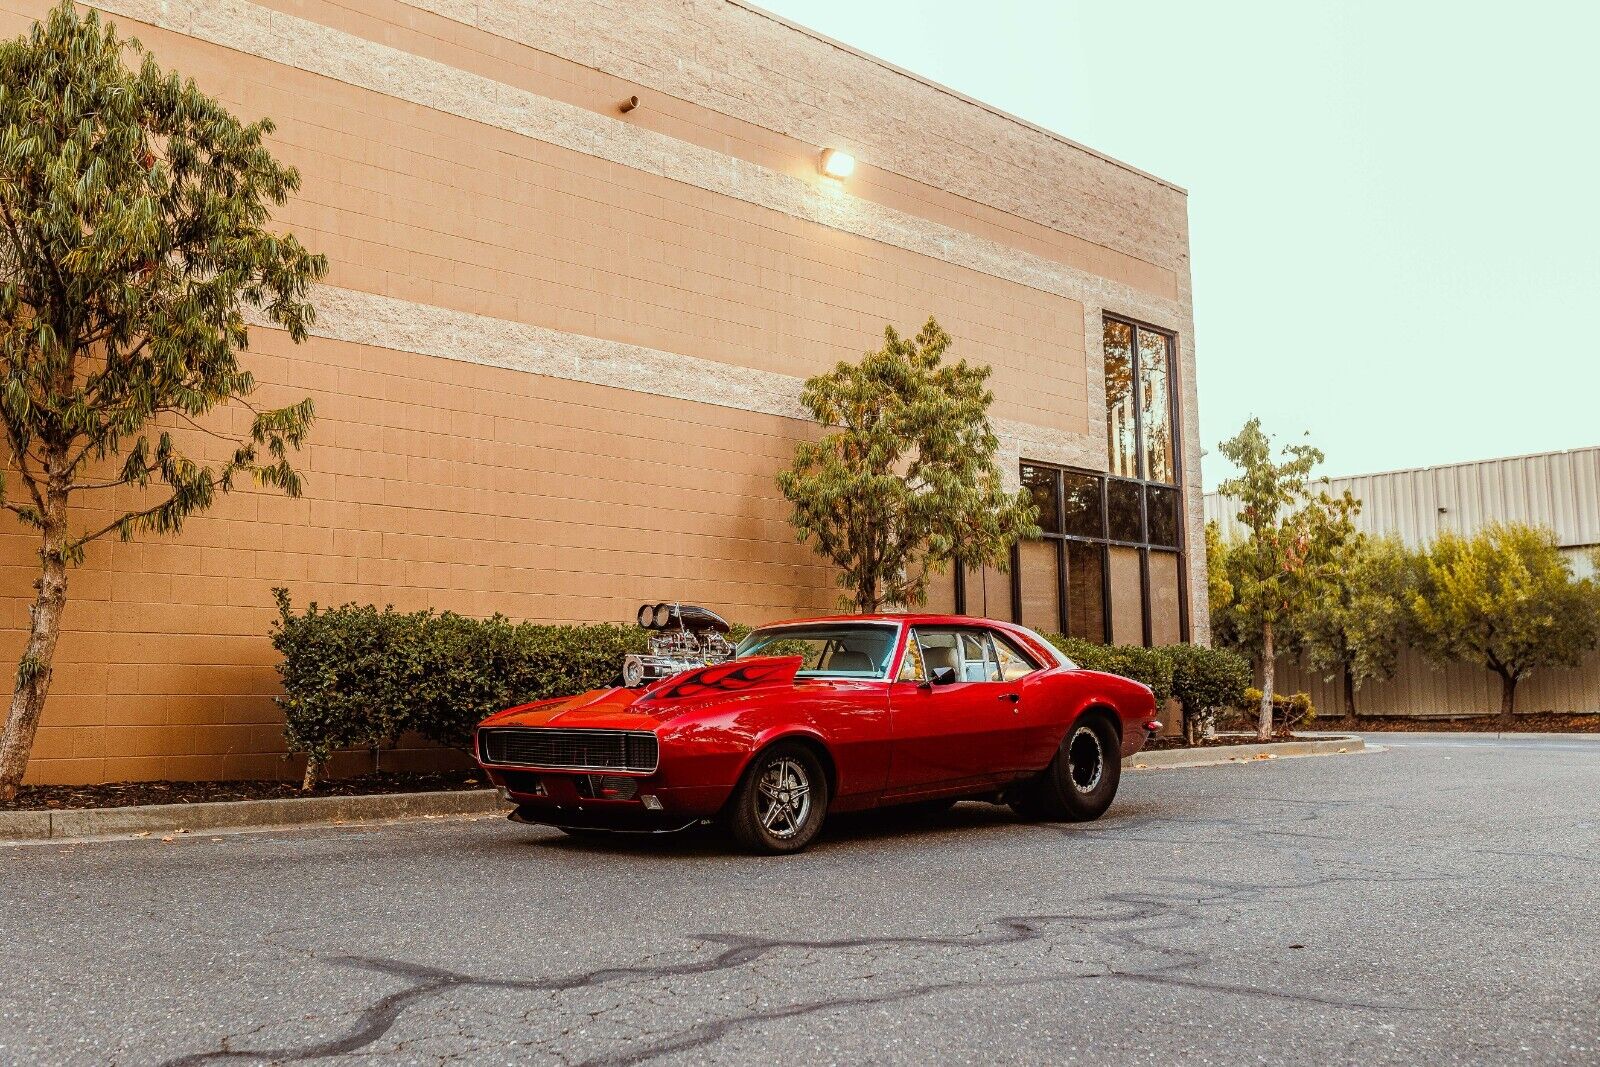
[644,709]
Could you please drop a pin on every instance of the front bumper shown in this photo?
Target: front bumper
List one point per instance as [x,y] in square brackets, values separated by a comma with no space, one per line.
[616,821]
[605,801]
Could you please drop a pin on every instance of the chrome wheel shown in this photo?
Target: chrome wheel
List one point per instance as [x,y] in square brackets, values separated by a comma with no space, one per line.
[1086,759]
[783,798]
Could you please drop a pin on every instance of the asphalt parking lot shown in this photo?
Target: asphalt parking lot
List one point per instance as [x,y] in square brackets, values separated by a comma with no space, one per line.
[1438,902]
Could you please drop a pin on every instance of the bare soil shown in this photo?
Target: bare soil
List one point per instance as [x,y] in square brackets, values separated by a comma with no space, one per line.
[1538,723]
[124,794]
[1217,741]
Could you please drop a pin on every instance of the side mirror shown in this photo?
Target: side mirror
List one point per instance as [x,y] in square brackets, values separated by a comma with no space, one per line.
[942,676]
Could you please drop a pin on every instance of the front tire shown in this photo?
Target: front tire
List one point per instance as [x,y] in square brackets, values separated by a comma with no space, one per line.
[780,804]
[1082,779]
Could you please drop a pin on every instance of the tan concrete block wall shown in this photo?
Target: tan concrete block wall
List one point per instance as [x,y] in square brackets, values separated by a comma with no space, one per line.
[445,474]
[428,483]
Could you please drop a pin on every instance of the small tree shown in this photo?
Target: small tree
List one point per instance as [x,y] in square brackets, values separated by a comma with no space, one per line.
[1506,599]
[1355,628]
[905,480]
[1284,562]
[132,237]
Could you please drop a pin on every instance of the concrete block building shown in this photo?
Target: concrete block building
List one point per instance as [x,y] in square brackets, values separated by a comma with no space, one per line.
[558,355]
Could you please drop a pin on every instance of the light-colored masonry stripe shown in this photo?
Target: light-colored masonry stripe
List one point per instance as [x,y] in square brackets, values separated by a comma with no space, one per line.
[319,49]
[401,325]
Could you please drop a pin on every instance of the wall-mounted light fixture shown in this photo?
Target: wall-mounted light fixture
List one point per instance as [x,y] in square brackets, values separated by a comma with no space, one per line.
[836,164]
[628,104]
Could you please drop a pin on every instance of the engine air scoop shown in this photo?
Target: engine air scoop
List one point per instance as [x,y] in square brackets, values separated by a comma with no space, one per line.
[735,676]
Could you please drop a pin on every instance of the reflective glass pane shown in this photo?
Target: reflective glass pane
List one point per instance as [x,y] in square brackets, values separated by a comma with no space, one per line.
[975,663]
[1122,502]
[1080,505]
[1162,514]
[1127,597]
[1041,590]
[911,669]
[1086,610]
[1041,483]
[1164,628]
[1013,664]
[1155,406]
[1121,443]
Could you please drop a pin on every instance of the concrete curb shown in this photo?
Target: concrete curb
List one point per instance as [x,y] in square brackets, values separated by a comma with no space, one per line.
[234,814]
[1221,755]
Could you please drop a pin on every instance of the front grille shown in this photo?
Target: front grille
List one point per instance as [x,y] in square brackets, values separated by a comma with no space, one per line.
[575,750]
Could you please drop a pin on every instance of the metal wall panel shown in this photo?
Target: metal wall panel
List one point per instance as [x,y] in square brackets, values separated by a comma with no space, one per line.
[1421,687]
[1560,490]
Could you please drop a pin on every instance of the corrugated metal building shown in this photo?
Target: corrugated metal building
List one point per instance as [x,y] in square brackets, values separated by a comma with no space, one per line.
[1558,490]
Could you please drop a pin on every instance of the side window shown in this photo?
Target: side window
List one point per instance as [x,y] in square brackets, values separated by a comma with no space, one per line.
[1010,661]
[976,665]
[911,668]
[939,649]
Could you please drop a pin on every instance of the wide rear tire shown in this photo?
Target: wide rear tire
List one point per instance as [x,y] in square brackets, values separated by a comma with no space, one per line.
[1082,779]
[781,802]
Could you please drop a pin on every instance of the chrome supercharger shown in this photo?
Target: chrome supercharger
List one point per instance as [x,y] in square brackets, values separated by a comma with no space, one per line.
[683,637]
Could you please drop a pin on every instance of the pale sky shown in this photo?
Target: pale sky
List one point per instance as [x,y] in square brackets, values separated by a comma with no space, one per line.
[1394,206]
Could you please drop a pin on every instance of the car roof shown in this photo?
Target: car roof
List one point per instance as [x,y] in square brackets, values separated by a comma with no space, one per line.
[909,618]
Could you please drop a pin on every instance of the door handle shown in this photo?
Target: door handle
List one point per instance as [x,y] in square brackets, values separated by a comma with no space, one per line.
[1013,697]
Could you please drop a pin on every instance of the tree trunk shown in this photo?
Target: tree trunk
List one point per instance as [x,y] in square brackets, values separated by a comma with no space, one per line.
[1508,698]
[313,772]
[1268,668]
[34,668]
[1349,691]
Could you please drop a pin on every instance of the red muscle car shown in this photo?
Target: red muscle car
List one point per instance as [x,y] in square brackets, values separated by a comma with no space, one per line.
[821,715]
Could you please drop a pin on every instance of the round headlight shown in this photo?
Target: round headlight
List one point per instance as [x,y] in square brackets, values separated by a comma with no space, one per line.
[632,671]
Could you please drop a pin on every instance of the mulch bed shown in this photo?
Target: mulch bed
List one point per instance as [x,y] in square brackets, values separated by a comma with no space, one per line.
[1219,741]
[1541,722]
[123,794]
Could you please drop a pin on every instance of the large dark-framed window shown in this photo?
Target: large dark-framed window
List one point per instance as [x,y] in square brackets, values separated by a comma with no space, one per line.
[1109,566]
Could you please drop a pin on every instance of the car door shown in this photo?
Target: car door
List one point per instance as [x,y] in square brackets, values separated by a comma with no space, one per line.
[955,730]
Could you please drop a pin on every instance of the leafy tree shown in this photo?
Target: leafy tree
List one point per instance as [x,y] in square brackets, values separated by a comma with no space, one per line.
[1355,629]
[1285,561]
[133,212]
[1219,589]
[1505,598]
[905,480]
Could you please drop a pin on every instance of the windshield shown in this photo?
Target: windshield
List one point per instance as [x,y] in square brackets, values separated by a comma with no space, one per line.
[827,650]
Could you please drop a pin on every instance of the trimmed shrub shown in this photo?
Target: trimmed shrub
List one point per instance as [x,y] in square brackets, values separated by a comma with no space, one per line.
[1151,666]
[1289,710]
[1205,680]
[357,677]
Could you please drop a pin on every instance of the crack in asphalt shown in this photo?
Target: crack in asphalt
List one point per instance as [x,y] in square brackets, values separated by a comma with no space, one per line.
[1131,921]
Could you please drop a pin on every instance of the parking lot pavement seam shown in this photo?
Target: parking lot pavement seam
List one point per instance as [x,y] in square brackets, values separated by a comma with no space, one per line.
[1132,920]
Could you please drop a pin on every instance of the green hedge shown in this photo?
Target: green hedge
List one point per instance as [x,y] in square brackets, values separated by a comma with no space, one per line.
[1202,679]
[1148,665]
[357,677]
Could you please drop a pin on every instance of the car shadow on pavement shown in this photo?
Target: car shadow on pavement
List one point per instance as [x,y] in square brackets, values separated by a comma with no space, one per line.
[881,825]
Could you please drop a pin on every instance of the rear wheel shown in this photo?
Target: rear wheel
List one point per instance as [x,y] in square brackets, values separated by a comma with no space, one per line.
[780,805]
[1081,780]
